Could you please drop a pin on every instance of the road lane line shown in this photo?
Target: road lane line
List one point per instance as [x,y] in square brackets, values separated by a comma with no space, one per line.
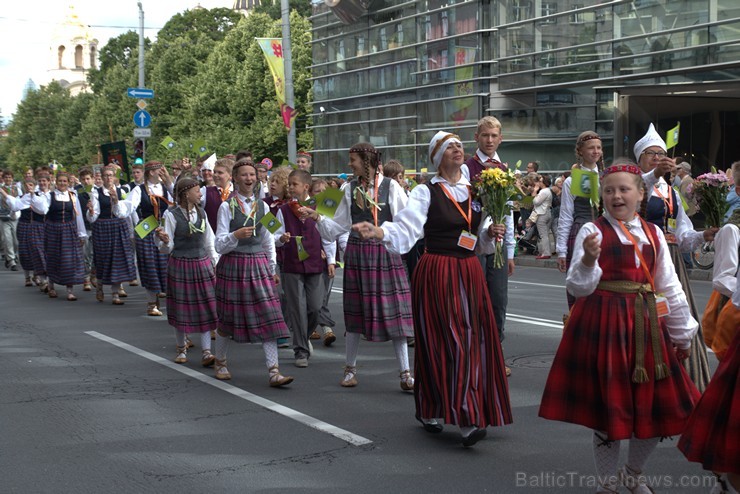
[302,418]
[514,282]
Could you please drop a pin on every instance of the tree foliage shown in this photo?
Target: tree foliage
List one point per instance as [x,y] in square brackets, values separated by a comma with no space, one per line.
[211,83]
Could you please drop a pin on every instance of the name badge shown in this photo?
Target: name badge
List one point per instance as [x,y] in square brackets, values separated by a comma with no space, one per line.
[661,306]
[467,240]
[672,225]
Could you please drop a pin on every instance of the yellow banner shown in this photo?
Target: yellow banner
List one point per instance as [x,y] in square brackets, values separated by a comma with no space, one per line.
[273,50]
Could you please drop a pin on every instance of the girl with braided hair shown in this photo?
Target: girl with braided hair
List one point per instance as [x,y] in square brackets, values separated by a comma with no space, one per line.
[377,298]
[191,280]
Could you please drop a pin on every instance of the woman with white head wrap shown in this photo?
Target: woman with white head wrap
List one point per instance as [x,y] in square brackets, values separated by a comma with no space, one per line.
[459,365]
[664,209]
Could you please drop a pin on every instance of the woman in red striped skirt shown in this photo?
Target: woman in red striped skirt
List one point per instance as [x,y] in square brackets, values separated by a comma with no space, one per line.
[247,303]
[191,281]
[377,298]
[64,235]
[459,365]
[616,370]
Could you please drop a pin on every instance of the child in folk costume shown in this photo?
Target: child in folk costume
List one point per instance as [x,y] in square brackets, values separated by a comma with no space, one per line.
[113,255]
[459,363]
[64,236]
[248,307]
[712,435]
[213,196]
[721,318]
[664,209]
[37,231]
[377,299]
[191,281]
[303,266]
[152,198]
[616,370]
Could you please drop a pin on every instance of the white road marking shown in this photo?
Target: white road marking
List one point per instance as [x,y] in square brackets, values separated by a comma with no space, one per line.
[514,282]
[302,418]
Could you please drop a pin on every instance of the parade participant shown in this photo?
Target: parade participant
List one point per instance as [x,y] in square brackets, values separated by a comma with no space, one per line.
[191,281]
[36,233]
[377,299]
[664,210]
[616,370]
[86,184]
[262,168]
[248,307]
[137,175]
[303,161]
[214,195]
[733,196]
[576,211]
[326,322]
[9,222]
[301,277]
[64,236]
[22,204]
[488,137]
[721,318]
[113,252]
[459,364]
[205,171]
[151,198]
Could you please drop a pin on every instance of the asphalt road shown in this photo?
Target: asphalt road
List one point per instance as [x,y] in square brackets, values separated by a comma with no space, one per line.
[91,402]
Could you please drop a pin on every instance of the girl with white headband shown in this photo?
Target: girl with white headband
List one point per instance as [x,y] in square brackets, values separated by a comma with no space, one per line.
[377,298]
[664,209]
[461,378]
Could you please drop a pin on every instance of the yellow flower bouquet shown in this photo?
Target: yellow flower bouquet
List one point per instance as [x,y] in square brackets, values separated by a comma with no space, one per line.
[496,188]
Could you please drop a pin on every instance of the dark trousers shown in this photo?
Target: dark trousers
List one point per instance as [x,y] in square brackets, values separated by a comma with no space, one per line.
[497,280]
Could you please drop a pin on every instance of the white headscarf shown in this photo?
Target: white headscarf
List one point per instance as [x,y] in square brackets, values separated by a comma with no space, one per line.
[438,145]
[651,138]
[209,163]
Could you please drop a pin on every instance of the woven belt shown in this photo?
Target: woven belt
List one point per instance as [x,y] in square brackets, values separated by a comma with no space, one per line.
[643,290]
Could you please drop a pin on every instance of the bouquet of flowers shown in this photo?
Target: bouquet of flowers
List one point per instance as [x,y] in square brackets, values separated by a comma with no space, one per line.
[710,191]
[495,188]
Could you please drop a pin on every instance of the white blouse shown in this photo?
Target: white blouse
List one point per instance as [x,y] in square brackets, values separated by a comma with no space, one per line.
[41,204]
[119,210]
[688,239]
[169,227]
[133,200]
[726,242]
[226,241]
[407,227]
[582,280]
[328,246]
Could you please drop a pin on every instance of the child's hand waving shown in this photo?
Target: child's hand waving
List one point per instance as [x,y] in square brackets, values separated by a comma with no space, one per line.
[591,249]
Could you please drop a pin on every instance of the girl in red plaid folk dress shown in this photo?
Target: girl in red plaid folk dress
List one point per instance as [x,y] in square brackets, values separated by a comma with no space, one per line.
[617,369]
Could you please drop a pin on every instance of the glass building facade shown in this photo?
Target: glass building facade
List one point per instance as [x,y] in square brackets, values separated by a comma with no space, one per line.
[394,72]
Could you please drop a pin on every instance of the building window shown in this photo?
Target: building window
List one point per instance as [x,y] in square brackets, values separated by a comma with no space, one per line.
[78,57]
[577,17]
[520,10]
[549,8]
[548,59]
[60,56]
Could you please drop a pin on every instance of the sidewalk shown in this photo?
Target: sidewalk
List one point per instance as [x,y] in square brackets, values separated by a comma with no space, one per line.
[529,260]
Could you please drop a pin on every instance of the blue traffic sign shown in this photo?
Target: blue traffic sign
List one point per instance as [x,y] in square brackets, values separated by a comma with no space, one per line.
[142,118]
[140,92]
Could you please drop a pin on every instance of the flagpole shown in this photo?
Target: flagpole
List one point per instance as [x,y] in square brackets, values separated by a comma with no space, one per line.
[288,60]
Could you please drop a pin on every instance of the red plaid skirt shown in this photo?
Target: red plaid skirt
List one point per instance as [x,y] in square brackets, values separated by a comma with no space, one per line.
[712,434]
[590,382]
[191,295]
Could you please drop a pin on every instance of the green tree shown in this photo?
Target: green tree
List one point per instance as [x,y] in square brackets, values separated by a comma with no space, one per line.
[121,51]
[273,8]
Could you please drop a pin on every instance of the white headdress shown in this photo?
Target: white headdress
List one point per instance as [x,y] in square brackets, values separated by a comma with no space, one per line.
[438,145]
[651,138]
[209,163]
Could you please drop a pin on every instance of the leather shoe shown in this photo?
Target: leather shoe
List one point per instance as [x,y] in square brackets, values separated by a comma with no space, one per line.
[473,437]
[434,428]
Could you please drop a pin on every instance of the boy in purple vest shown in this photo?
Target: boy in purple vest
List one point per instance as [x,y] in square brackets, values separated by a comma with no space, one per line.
[303,266]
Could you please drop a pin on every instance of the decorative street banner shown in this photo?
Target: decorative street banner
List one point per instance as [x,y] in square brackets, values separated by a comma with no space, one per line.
[115,152]
[273,51]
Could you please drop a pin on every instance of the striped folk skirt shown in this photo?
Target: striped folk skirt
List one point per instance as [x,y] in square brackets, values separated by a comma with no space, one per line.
[459,365]
[152,264]
[247,302]
[36,247]
[112,252]
[590,381]
[697,364]
[377,298]
[191,295]
[23,233]
[65,261]
[712,435]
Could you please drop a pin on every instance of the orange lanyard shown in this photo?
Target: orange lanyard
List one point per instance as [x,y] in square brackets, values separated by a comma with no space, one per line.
[667,201]
[638,251]
[469,216]
[243,209]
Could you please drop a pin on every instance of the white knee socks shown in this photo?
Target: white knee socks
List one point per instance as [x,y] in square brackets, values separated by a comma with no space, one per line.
[271,353]
[640,450]
[402,352]
[205,340]
[606,457]
[352,342]
[180,339]
[222,346]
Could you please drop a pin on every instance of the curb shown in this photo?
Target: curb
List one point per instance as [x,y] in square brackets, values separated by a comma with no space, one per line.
[530,261]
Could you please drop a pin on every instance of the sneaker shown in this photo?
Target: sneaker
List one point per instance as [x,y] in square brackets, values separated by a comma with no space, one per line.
[301,362]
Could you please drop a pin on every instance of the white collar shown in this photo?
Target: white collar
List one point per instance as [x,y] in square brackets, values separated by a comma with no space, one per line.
[631,224]
[440,179]
[483,157]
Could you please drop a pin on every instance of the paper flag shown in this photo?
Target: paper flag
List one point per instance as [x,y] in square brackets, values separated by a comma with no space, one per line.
[168,143]
[200,147]
[270,222]
[309,203]
[518,164]
[585,183]
[88,188]
[146,226]
[328,201]
[671,138]
[302,254]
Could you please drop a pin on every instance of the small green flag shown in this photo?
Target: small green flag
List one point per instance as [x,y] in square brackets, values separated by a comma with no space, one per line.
[309,203]
[683,199]
[671,138]
[302,254]
[88,188]
[328,201]
[585,183]
[200,147]
[270,222]
[146,226]
[340,264]
[518,164]
[168,143]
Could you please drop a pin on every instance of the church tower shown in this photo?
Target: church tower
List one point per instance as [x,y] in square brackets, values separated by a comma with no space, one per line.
[73,51]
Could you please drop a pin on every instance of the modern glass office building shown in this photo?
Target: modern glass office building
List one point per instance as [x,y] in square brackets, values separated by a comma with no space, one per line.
[393,72]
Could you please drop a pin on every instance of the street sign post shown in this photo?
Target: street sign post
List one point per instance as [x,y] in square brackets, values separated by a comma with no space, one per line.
[140,92]
[142,118]
[139,133]
[141,104]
